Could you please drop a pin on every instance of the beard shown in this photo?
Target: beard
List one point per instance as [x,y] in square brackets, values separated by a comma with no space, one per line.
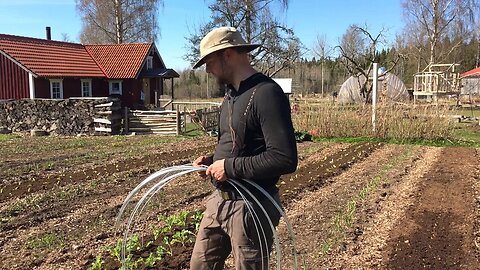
[223,79]
[221,86]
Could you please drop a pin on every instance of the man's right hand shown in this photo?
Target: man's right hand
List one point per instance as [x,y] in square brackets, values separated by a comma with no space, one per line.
[202,160]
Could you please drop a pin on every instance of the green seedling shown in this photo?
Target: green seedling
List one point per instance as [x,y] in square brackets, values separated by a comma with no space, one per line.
[97,264]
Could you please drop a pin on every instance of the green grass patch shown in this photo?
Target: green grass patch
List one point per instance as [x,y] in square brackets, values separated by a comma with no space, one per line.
[467,133]
[46,241]
[466,112]
[193,130]
[457,141]
[7,137]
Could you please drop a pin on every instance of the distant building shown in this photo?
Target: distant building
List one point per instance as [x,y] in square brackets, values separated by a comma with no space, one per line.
[43,68]
[471,82]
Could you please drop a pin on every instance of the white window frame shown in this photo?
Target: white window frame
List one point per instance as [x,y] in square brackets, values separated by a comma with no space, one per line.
[89,81]
[60,81]
[110,87]
[149,62]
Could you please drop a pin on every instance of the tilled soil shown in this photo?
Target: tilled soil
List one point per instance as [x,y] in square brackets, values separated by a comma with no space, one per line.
[424,214]
[352,206]
[438,229]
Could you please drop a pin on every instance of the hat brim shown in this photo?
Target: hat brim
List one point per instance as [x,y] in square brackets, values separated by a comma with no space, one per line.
[249,47]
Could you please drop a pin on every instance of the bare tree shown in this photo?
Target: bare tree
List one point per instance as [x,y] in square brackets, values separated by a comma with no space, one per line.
[430,21]
[358,52]
[320,49]
[280,47]
[118,21]
[66,37]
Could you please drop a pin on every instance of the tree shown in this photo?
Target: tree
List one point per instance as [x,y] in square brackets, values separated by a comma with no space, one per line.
[118,21]
[321,48]
[280,47]
[428,22]
[358,52]
[66,37]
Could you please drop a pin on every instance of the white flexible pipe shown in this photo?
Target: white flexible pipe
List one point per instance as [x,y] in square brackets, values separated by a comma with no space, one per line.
[169,174]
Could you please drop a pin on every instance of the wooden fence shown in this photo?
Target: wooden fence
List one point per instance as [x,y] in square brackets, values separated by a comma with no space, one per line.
[166,122]
[204,114]
[187,105]
[206,118]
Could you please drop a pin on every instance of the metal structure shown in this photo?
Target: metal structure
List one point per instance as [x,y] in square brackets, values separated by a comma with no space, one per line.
[436,80]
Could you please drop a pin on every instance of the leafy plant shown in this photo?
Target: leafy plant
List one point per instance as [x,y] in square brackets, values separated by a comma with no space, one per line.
[182,237]
[97,264]
[302,136]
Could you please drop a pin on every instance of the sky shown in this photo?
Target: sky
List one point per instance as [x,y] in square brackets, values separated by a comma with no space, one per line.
[179,18]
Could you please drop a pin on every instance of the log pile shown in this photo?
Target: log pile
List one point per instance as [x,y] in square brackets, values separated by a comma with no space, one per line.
[57,117]
[108,117]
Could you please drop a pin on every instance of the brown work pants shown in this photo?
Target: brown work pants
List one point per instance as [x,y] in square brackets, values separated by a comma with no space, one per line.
[227,226]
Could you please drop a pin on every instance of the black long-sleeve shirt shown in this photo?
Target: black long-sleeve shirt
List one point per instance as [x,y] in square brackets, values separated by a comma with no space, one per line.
[269,148]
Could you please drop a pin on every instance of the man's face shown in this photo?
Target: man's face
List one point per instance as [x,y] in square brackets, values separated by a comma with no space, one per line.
[218,67]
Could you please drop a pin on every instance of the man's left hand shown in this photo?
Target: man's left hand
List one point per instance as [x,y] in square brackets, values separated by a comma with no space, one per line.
[217,170]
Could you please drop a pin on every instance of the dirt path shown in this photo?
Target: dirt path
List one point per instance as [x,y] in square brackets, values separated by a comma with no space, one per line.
[425,215]
[318,217]
[438,229]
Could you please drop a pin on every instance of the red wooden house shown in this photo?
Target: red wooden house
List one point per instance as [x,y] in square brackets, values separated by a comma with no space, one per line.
[39,68]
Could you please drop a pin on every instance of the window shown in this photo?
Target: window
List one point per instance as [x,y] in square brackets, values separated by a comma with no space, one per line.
[149,62]
[115,87]
[56,89]
[86,88]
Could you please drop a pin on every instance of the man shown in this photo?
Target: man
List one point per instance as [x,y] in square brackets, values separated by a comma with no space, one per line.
[256,142]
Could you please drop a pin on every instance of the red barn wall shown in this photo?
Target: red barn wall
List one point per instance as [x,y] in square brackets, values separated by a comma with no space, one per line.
[42,88]
[13,80]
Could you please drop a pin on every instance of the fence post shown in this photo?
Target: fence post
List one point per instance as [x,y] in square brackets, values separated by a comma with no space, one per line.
[125,121]
[184,119]
[374,96]
[178,121]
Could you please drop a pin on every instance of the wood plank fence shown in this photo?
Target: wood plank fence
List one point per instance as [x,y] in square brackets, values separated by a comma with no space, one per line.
[173,122]
[166,122]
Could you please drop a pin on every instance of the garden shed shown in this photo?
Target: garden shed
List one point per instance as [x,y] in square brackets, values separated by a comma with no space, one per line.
[471,82]
[391,88]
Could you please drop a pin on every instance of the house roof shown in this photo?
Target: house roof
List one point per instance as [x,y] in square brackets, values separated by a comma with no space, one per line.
[48,58]
[160,72]
[120,61]
[471,73]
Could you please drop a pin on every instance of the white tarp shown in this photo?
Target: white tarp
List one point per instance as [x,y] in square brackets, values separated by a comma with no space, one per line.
[390,87]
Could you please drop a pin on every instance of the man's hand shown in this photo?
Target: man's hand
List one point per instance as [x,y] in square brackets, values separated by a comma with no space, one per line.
[217,170]
[202,160]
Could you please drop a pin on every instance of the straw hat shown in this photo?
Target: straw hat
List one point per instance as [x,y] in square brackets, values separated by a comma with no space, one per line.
[219,39]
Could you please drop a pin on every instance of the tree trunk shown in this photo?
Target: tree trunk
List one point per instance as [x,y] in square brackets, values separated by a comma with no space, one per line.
[434,34]
[118,22]
[248,20]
